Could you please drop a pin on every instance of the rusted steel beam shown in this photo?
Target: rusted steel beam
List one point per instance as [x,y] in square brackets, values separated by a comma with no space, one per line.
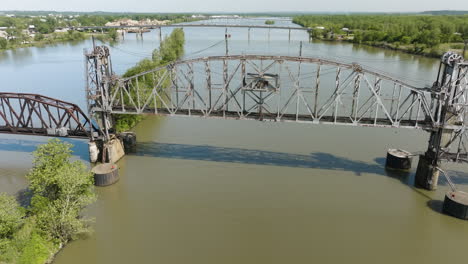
[27,116]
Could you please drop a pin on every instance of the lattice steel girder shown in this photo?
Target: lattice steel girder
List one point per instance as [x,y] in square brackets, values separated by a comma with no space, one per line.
[355,94]
[22,113]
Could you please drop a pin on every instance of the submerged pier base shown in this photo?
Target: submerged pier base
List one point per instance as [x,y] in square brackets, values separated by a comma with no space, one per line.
[398,159]
[105,174]
[456,204]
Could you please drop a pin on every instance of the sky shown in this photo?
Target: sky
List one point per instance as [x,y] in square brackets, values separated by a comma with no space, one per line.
[235,5]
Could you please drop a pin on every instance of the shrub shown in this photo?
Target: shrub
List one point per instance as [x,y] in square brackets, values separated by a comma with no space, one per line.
[11,216]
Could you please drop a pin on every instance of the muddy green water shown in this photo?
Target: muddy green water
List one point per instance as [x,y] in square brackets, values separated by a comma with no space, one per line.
[208,191]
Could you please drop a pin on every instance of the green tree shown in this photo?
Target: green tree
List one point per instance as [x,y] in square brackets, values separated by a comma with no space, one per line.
[38,37]
[61,189]
[61,216]
[11,215]
[48,159]
[113,34]
[3,43]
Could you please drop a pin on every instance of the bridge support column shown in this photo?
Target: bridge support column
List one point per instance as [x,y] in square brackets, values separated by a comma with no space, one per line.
[427,173]
[99,82]
[447,116]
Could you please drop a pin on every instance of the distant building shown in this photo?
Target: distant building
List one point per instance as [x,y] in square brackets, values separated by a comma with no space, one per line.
[130,22]
[225,16]
[322,28]
[3,34]
[63,30]
[32,29]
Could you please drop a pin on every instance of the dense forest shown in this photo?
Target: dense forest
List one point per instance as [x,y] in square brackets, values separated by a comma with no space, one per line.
[422,34]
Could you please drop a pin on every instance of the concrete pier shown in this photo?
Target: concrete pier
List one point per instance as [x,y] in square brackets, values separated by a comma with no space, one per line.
[456,204]
[105,174]
[398,159]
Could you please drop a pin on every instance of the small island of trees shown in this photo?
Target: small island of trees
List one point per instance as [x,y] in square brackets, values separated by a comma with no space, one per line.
[49,214]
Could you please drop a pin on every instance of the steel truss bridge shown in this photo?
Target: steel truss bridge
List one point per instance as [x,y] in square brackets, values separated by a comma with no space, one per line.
[263,88]
[34,114]
[291,89]
[280,89]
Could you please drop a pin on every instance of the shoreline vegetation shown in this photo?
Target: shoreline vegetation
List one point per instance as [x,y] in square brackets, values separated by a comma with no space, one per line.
[426,35]
[37,224]
[30,31]
[172,48]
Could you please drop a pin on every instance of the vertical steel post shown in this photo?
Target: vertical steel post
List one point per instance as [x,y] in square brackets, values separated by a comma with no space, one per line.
[427,174]
[226,41]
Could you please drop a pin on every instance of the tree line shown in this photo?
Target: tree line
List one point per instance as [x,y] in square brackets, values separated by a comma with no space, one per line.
[421,31]
[44,26]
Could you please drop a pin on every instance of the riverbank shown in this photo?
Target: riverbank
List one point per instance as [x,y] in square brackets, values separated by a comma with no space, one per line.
[62,37]
[409,49]
[435,52]
[429,36]
[29,29]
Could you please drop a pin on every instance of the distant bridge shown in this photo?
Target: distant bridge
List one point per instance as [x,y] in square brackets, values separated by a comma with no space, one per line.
[186,26]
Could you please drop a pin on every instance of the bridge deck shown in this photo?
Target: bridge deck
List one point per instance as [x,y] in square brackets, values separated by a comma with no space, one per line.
[301,118]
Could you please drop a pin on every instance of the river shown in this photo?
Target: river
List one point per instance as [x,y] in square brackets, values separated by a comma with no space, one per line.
[205,191]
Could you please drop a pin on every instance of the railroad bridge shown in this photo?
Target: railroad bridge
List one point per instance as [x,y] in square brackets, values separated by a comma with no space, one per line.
[263,88]
[141,28]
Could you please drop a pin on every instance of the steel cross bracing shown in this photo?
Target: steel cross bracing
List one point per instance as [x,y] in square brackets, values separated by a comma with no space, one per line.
[289,89]
[35,114]
[321,91]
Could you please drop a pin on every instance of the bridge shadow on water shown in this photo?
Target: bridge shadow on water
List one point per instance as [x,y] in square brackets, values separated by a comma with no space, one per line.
[317,160]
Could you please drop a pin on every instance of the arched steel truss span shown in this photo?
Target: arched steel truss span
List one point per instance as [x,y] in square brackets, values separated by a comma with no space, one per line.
[275,88]
[39,115]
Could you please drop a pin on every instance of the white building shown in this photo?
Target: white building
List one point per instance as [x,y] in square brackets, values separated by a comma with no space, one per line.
[3,34]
